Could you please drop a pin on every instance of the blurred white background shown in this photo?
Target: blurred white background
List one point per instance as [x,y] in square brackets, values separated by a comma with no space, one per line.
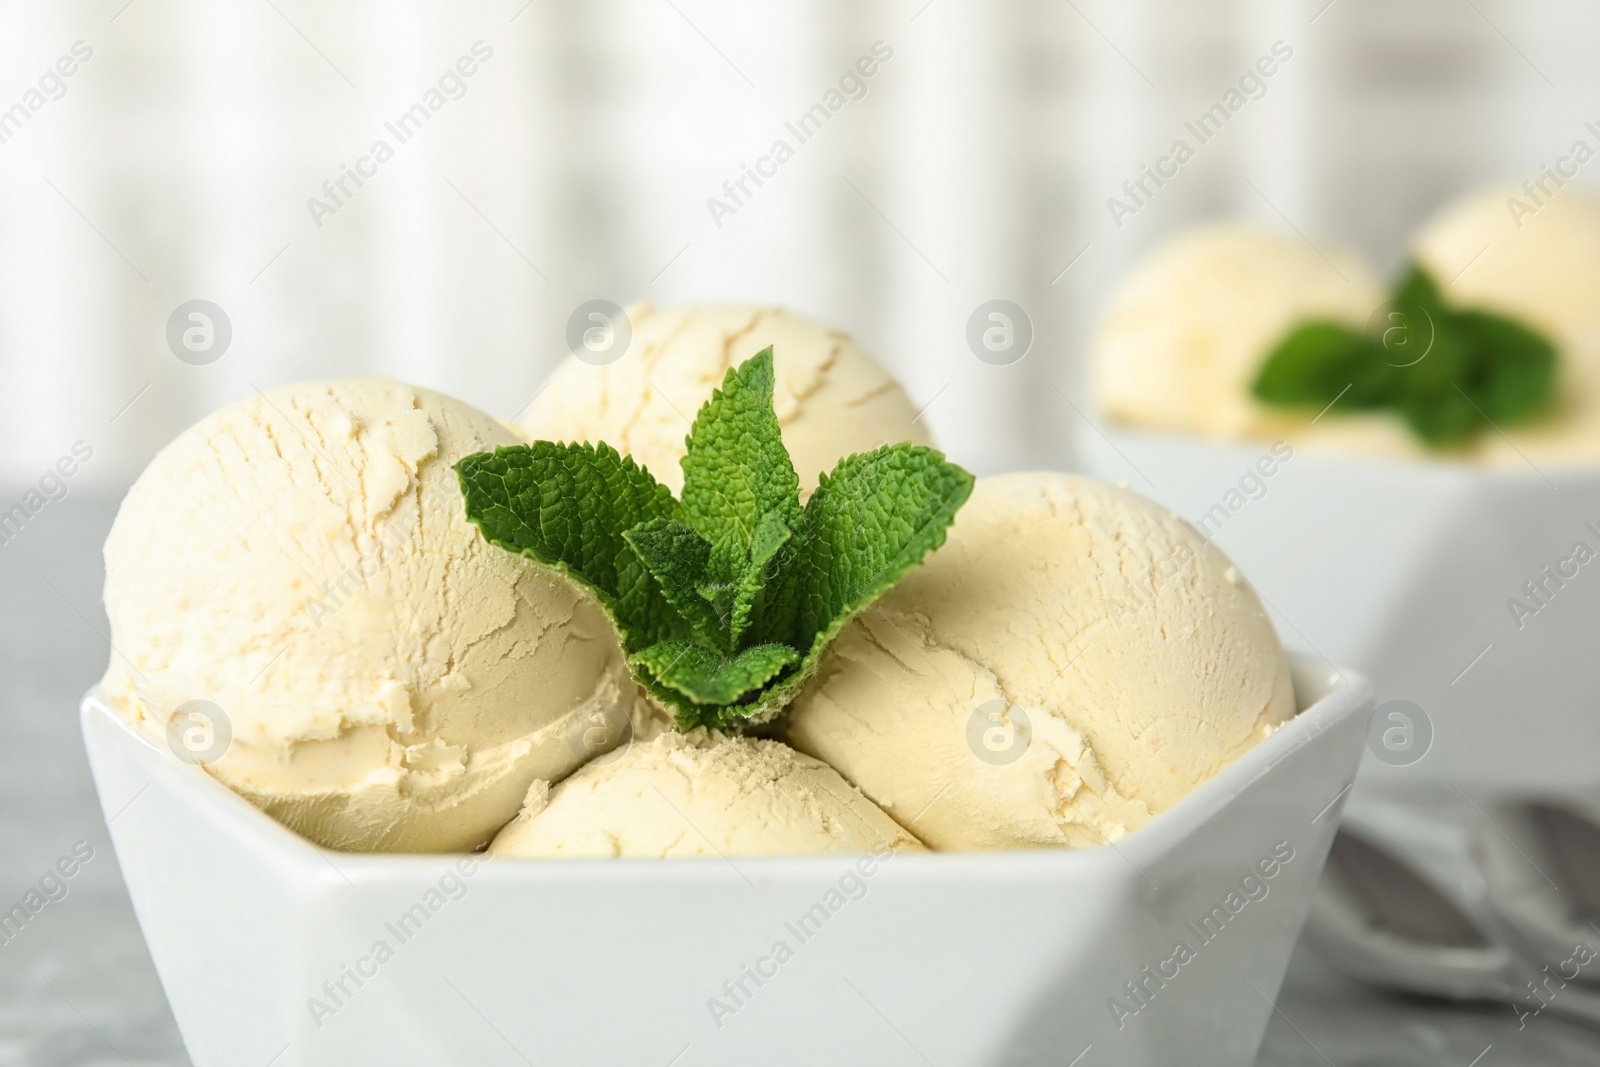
[178,160]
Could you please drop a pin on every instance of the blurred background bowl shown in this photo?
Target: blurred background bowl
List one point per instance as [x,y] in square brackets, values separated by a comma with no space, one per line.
[1406,571]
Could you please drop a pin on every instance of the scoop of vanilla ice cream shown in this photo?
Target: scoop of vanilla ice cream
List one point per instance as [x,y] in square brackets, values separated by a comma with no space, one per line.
[832,398]
[1072,661]
[1504,250]
[1191,325]
[302,561]
[699,794]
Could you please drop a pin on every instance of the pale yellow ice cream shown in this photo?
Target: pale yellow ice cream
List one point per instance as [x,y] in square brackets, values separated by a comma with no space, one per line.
[1191,325]
[831,398]
[1139,660]
[684,795]
[1502,250]
[301,560]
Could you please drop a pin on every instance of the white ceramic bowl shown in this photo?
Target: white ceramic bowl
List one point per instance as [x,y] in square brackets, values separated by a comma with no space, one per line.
[1405,571]
[977,958]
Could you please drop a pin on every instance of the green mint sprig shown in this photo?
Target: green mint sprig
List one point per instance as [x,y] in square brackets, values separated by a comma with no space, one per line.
[1449,373]
[726,599]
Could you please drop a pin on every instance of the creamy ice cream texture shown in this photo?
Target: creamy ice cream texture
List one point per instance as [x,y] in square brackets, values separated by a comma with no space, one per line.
[832,398]
[699,794]
[301,560]
[1189,327]
[1074,660]
[1540,263]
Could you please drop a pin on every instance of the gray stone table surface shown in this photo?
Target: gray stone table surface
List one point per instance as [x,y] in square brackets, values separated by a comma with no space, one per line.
[77,985]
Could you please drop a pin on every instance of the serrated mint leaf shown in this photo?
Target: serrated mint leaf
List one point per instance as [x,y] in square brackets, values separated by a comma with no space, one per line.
[708,676]
[875,517]
[720,585]
[568,506]
[728,555]
[726,601]
[737,468]
[677,557]
[1474,369]
[772,533]
[870,521]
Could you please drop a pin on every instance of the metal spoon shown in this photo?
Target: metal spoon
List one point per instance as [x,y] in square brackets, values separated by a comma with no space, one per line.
[1468,908]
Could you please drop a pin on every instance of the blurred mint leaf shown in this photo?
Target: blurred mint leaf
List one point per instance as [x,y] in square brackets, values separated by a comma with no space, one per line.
[1318,361]
[1516,383]
[1449,373]
[1441,419]
[725,601]
[1416,286]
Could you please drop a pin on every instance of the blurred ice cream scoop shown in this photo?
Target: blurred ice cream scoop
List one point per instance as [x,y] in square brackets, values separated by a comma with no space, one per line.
[1073,660]
[832,398]
[1536,257]
[696,794]
[1191,325]
[300,560]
